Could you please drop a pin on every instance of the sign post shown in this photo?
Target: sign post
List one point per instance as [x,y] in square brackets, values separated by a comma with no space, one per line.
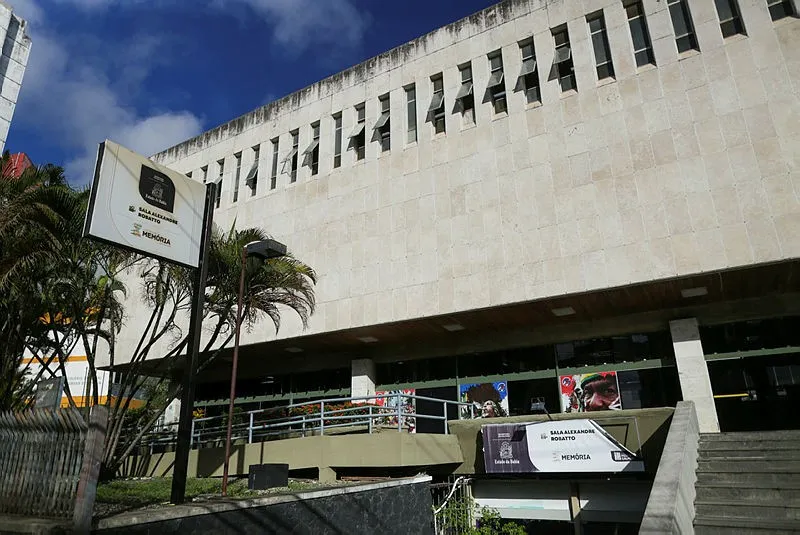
[180,468]
[155,211]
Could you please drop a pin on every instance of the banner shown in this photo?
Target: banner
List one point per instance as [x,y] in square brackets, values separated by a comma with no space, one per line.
[590,392]
[145,207]
[489,400]
[555,447]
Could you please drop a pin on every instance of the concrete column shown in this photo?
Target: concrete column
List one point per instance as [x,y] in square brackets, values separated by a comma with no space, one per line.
[693,372]
[362,378]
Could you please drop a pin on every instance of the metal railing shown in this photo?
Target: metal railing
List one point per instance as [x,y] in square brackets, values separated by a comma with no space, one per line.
[372,413]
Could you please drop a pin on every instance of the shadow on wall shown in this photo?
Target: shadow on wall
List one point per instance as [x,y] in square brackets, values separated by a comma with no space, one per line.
[397,510]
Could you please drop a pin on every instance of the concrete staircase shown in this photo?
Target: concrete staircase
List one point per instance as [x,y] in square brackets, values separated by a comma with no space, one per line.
[748,483]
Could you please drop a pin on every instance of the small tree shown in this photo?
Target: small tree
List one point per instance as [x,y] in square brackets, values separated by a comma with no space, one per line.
[166,289]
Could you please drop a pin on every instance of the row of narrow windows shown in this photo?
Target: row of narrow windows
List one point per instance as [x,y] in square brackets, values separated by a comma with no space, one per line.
[528,81]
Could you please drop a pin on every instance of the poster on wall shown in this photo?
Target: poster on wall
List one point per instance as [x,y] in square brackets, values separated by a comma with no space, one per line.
[390,400]
[144,207]
[489,400]
[556,447]
[590,392]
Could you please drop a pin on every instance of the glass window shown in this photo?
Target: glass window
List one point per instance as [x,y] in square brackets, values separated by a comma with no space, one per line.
[237,175]
[779,9]
[563,60]
[465,98]
[383,126]
[221,166]
[496,85]
[337,140]
[730,22]
[252,176]
[311,154]
[436,109]
[411,113]
[640,35]
[528,79]
[357,138]
[682,25]
[602,52]
[273,178]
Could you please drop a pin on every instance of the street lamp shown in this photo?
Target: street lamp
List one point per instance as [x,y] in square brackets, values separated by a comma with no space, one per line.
[264,250]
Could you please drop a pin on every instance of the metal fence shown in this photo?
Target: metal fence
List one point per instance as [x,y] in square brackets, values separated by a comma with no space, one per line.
[371,414]
[49,463]
[453,507]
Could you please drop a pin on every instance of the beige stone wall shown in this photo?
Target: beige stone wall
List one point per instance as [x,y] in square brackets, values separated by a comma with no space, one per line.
[690,166]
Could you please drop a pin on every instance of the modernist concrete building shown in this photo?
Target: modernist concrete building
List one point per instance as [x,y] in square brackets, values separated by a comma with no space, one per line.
[544,188]
[14,59]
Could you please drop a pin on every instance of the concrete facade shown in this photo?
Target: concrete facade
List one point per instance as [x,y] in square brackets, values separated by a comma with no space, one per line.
[685,167]
[13,60]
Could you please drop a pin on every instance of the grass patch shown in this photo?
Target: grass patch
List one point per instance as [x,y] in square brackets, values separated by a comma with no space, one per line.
[141,492]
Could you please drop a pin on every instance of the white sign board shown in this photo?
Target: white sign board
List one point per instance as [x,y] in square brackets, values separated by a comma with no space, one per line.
[145,207]
[557,446]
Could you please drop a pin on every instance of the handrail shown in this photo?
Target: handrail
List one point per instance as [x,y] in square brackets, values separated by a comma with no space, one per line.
[322,417]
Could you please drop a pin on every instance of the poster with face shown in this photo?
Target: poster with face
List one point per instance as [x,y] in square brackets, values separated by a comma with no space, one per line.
[489,400]
[590,392]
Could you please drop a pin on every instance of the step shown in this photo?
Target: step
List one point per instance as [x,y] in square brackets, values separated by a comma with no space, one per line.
[750,435]
[763,466]
[780,480]
[750,444]
[747,511]
[745,495]
[736,454]
[714,525]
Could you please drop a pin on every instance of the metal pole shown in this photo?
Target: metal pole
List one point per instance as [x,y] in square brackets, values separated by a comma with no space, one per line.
[184,443]
[233,374]
[250,430]
[191,437]
[321,417]
[399,413]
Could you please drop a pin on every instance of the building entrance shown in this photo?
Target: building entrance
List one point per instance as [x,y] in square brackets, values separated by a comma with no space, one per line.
[757,393]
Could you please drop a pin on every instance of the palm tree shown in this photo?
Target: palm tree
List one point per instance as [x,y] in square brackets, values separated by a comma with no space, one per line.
[39,213]
[279,282]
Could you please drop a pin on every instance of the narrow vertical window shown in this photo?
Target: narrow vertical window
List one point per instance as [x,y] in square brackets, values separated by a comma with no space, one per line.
[311,154]
[528,79]
[221,164]
[358,137]
[293,153]
[204,170]
[465,98]
[602,52]
[496,88]
[252,176]
[273,177]
[640,35]
[237,176]
[682,25]
[436,109]
[780,9]
[730,21]
[382,129]
[337,140]
[411,113]
[562,63]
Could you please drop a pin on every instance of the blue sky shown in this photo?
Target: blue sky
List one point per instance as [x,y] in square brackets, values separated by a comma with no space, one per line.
[151,73]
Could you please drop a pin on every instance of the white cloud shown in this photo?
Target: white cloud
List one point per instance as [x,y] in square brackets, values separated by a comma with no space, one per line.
[297,24]
[74,105]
